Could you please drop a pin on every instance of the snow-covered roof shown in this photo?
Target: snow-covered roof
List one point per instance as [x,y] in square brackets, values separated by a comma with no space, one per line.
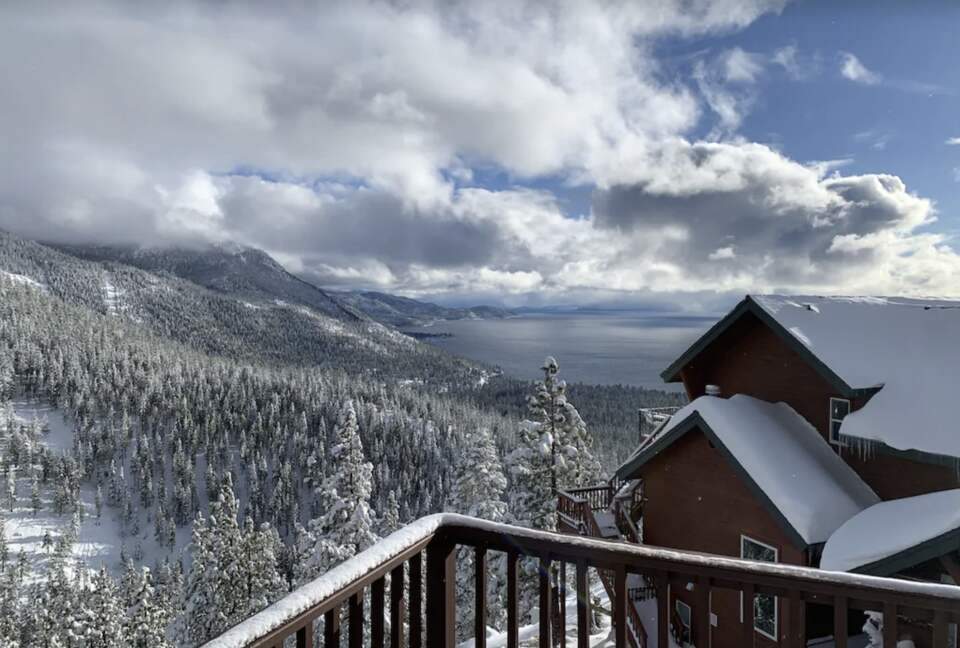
[785,457]
[892,527]
[910,348]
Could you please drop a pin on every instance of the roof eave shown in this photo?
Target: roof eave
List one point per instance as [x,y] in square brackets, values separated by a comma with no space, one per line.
[941,545]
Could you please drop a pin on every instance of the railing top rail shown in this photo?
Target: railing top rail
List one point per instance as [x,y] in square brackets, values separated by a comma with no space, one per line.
[570,496]
[587,489]
[460,528]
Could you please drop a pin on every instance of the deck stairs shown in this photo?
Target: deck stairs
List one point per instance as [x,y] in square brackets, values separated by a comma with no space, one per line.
[606,512]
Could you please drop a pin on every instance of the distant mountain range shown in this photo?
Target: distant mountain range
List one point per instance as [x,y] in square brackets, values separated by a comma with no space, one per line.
[403,311]
[251,274]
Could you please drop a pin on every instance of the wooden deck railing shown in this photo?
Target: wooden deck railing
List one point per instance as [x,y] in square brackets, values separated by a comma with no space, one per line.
[382,568]
[599,497]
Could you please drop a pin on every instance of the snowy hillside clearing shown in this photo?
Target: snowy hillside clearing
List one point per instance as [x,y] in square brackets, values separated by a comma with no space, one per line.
[22,280]
[99,541]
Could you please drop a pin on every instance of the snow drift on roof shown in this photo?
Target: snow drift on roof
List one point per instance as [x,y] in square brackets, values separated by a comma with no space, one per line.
[814,489]
[909,347]
[887,528]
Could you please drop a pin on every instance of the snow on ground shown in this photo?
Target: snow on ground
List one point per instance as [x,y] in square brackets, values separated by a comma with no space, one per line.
[100,542]
[529,634]
[112,296]
[22,279]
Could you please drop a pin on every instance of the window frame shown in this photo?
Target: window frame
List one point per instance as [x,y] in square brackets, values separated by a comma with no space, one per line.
[836,438]
[776,599]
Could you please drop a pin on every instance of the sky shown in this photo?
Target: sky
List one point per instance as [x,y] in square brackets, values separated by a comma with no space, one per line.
[522,153]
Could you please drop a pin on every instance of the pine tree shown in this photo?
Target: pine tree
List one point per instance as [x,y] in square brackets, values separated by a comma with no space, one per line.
[346,527]
[35,503]
[478,487]
[4,548]
[147,619]
[218,589]
[390,520]
[11,487]
[104,613]
[553,453]
[259,553]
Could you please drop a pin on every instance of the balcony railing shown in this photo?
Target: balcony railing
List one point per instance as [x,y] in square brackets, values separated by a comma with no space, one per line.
[433,624]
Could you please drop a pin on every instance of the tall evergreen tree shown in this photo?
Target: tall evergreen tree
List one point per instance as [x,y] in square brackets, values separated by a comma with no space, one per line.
[478,487]
[554,452]
[345,527]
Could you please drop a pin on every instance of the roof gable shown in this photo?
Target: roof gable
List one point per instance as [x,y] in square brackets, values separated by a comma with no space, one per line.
[901,351]
[750,305]
[807,488]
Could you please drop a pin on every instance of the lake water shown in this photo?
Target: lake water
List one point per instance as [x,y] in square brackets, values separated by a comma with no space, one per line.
[629,348]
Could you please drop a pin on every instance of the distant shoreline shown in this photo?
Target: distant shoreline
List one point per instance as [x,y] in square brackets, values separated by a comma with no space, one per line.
[426,335]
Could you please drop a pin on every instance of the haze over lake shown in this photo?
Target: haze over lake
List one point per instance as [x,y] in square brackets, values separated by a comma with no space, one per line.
[596,347]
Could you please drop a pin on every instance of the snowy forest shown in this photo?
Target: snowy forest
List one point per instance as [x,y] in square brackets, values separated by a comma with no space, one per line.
[173,458]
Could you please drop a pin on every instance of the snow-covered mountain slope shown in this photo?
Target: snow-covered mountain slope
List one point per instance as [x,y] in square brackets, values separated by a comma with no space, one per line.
[252,309]
[242,272]
[253,275]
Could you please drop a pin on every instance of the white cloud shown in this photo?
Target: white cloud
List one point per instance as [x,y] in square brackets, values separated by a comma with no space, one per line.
[851,68]
[953,141]
[346,144]
[722,253]
[740,65]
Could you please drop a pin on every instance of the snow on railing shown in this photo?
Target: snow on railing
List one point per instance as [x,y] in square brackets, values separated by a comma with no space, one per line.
[440,536]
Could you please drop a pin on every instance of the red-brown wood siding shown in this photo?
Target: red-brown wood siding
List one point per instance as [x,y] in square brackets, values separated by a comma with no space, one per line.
[749,358]
[697,501]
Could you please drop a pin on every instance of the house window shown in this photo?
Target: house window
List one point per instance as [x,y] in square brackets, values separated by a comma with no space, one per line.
[839,408]
[686,618]
[765,615]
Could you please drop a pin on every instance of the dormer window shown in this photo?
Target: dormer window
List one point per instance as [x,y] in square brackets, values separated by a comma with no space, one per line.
[839,408]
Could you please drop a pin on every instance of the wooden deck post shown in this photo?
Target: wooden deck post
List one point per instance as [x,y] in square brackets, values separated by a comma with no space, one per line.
[583,605]
[396,606]
[480,597]
[513,623]
[545,587]
[441,593]
[416,601]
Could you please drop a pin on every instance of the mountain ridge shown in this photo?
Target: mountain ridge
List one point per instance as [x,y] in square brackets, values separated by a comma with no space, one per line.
[250,273]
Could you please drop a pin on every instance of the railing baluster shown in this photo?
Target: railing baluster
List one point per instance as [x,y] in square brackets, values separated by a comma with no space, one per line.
[840,630]
[545,585]
[940,629]
[562,604]
[619,604]
[355,631]
[583,605]
[663,609]
[747,595]
[890,624]
[376,613]
[702,612]
[513,625]
[305,635]
[480,597]
[331,628]
[797,621]
[396,606]
[416,601]
[441,593]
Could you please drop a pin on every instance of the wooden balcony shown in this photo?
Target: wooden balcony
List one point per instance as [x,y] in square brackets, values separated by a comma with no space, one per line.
[422,613]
